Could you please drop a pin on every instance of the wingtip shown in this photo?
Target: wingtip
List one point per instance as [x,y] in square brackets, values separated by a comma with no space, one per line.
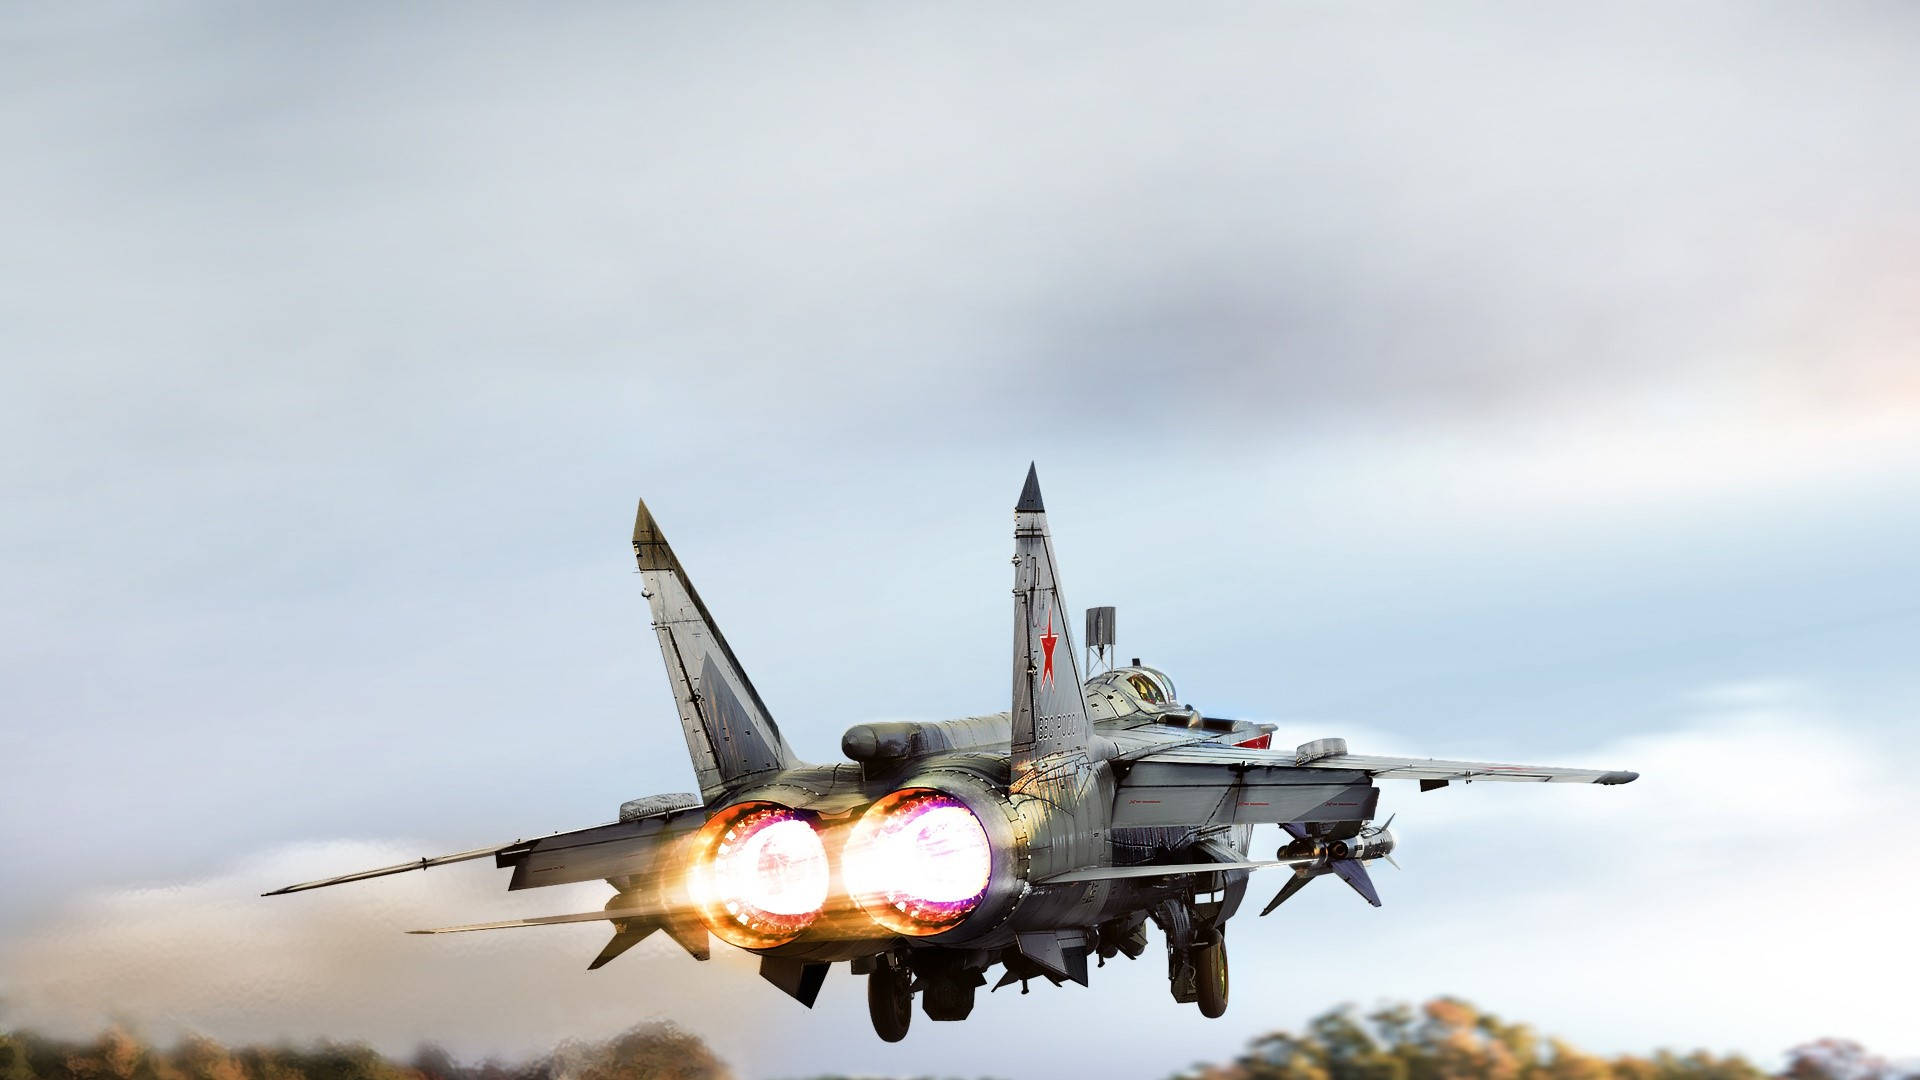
[643,522]
[1030,502]
[1620,777]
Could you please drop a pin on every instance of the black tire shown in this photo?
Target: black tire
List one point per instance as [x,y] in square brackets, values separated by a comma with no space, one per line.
[1210,971]
[948,999]
[890,1001]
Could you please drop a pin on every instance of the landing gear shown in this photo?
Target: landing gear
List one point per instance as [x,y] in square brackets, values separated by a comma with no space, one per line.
[890,998]
[1210,975]
[950,998]
[1197,950]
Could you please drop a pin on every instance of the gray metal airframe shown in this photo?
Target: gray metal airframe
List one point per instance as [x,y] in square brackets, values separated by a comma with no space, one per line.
[1089,808]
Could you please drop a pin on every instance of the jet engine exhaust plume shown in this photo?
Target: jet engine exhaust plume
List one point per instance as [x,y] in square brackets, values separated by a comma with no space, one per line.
[918,862]
[759,874]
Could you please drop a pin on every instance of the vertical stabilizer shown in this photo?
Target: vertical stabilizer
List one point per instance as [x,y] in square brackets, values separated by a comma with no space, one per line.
[1049,706]
[729,731]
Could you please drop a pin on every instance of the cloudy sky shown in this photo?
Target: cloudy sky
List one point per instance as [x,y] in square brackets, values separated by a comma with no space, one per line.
[1538,383]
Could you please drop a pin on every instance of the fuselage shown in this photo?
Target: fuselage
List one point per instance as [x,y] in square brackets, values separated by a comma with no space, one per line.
[1038,826]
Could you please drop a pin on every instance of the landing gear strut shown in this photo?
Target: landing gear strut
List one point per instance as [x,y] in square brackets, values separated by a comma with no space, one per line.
[890,998]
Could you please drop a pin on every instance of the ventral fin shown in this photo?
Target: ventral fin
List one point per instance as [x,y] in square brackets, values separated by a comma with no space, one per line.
[626,937]
[798,979]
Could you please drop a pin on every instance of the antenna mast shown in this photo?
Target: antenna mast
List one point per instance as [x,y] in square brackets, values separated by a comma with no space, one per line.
[1099,640]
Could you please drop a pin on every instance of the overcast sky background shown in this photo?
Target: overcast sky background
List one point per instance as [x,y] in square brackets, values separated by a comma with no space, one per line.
[1532,383]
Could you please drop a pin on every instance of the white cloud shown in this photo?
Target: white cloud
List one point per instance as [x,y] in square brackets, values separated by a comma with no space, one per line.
[1752,890]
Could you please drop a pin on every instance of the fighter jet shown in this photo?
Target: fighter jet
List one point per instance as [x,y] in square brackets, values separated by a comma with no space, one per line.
[1026,840]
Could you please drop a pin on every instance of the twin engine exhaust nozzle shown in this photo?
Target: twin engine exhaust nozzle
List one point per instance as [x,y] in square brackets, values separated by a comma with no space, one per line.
[917,862]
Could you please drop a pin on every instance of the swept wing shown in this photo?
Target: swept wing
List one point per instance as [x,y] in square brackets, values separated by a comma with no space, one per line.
[1391,768]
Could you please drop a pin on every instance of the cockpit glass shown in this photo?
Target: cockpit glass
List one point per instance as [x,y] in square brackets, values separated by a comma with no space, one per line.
[1147,689]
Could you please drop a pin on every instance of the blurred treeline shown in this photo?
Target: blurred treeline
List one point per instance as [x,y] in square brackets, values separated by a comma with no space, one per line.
[653,1052]
[1445,1039]
[1448,1039]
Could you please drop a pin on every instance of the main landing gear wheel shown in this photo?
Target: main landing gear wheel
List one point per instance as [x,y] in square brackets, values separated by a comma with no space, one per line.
[890,1000]
[949,998]
[1210,971]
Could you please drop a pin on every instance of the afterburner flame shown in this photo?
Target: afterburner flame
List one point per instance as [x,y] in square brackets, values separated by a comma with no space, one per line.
[918,862]
[761,874]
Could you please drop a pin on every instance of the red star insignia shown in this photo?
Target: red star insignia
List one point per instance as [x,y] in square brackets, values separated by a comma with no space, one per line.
[1047,641]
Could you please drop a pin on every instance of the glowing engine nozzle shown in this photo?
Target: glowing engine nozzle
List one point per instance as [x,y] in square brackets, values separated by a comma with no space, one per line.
[918,862]
[759,874]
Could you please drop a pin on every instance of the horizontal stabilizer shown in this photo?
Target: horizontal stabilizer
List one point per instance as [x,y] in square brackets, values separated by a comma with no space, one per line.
[601,851]
[623,848]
